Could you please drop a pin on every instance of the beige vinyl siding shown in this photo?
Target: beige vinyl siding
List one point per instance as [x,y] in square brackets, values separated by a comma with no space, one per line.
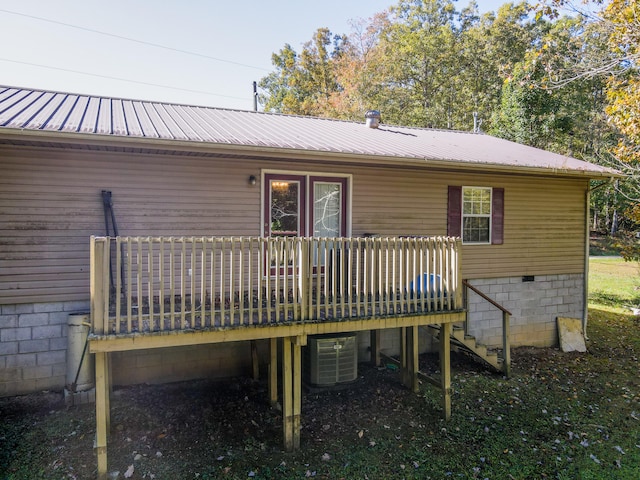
[50,204]
[544,219]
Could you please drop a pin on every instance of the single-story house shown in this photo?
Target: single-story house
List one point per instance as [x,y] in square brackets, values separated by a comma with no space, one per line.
[266,226]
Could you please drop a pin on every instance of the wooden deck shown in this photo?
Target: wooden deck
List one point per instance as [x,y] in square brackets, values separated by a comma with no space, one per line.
[165,292]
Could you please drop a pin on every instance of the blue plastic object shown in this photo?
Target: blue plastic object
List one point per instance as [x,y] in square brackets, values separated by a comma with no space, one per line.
[427,282]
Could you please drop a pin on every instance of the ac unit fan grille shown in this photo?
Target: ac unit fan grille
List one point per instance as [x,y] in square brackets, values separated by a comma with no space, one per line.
[331,360]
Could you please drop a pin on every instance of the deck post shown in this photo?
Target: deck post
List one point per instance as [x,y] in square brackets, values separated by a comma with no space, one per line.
[255,364]
[445,368]
[404,358]
[292,390]
[375,347]
[287,394]
[413,360]
[99,292]
[273,371]
[506,344]
[299,342]
[102,411]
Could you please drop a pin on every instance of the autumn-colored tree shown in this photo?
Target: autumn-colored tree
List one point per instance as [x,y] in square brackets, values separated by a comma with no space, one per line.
[568,118]
[303,83]
[357,71]
[622,17]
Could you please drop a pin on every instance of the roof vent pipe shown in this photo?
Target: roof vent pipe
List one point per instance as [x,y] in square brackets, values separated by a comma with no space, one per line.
[373,118]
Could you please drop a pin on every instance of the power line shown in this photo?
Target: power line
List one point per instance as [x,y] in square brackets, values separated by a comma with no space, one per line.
[118,78]
[142,42]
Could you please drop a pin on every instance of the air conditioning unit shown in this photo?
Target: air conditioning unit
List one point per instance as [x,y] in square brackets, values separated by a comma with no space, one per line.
[331,359]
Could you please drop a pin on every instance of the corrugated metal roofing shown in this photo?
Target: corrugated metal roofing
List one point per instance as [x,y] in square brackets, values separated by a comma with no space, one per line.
[50,112]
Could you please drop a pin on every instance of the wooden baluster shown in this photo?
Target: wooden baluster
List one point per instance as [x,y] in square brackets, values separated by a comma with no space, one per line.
[118,292]
[139,290]
[223,274]
[129,285]
[172,282]
[183,287]
[161,271]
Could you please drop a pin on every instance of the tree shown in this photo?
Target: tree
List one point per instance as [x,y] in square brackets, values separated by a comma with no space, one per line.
[357,71]
[420,63]
[419,46]
[622,18]
[303,84]
[610,53]
[567,119]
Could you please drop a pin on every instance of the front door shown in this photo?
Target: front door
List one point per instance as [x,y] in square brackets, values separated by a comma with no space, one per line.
[305,206]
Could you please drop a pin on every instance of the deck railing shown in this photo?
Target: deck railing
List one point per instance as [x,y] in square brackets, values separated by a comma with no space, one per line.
[154,284]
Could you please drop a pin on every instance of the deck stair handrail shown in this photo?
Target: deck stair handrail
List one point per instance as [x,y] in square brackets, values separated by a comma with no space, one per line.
[506,316]
[187,283]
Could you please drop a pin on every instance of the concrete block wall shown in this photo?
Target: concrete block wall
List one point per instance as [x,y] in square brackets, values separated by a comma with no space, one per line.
[33,346]
[390,343]
[33,337]
[163,365]
[534,305]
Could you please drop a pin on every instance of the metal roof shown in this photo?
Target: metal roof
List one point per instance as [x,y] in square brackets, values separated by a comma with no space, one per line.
[49,113]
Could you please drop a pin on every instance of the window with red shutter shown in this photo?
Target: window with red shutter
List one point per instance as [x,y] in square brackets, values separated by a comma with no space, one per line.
[476,214]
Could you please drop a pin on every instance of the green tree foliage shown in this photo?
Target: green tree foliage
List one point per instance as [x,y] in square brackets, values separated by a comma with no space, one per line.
[303,83]
[622,17]
[607,51]
[421,77]
[567,119]
[421,63]
[529,75]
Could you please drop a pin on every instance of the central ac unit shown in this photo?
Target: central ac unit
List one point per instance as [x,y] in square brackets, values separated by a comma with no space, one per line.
[330,360]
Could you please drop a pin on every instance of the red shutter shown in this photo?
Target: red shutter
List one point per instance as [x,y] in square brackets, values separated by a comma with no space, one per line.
[497,217]
[454,212]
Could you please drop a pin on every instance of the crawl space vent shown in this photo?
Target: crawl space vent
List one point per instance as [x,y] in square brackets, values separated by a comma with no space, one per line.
[330,360]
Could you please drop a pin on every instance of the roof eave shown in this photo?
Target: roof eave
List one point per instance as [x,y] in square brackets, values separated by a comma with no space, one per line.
[106,141]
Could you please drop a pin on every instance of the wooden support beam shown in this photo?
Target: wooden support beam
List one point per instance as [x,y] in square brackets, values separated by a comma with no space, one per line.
[445,368]
[506,343]
[375,347]
[287,394]
[404,358]
[255,363]
[297,393]
[102,412]
[413,358]
[115,343]
[292,390]
[109,392]
[273,371]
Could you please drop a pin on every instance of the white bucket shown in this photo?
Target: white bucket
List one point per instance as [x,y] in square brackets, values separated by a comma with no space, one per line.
[78,329]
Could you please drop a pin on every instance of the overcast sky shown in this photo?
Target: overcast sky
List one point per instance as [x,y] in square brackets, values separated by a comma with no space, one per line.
[55,44]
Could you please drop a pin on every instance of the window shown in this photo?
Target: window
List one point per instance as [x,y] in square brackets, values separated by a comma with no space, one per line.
[476,214]
[286,206]
[305,205]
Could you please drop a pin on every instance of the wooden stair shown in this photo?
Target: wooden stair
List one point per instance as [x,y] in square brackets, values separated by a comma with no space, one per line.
[467,344]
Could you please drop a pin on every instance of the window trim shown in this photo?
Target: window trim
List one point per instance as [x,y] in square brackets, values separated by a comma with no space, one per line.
[479,215]
[454,215]
[312,180]
[309,177]
[302,201]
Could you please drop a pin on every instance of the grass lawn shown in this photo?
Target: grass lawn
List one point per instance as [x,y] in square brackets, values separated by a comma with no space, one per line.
[560,416]
[614,283]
